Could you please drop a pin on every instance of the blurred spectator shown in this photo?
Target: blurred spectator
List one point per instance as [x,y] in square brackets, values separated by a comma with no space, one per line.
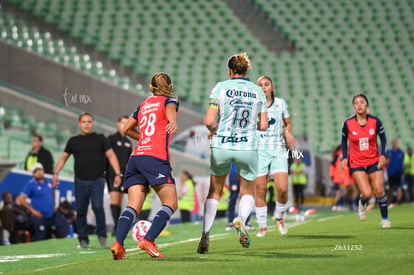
[12,221]
[6,218]
[271,196]
[69,213]
[340,179]
[186,202]
[352,193]
[39,154]
[395,170]
[409,172]
[223,203]
[122,148]
[46,222]
[299,180]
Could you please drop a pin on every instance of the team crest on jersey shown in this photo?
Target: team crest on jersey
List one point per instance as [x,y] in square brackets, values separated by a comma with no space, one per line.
[278,108]
[371,131]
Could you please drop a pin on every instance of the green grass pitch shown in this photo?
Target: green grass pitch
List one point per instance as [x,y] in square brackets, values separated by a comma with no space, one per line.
[325,243]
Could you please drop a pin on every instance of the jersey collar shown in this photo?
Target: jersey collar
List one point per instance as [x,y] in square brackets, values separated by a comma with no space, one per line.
[271,104]
[237,78]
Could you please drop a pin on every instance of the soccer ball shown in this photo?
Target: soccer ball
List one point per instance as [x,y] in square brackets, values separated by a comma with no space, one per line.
[139,230]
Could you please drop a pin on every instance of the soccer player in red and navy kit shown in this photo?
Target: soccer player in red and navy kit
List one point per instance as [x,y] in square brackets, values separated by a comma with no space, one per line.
[364,160]
[149,164]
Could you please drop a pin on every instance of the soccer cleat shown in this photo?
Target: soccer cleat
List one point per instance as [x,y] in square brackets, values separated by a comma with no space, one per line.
[118,251]
[203,244]
[83,244]
[262,232]
[386,223]
[150,248]
[362,211]
[102,242]
[242,232]
[229,227]
[281,227]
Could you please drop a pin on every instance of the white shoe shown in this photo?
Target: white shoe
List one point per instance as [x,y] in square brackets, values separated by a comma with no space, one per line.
[386,223]
[262,232]
[362,211]
[281,227]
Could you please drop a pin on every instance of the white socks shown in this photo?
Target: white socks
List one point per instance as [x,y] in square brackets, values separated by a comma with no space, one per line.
[245,207]
[280,210]
[210,210]
[261,216]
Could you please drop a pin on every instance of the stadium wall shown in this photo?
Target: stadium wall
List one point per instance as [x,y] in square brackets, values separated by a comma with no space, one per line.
[73,87]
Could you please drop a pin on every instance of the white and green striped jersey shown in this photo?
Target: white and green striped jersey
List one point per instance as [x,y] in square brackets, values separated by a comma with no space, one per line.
[273,138]
[239,102]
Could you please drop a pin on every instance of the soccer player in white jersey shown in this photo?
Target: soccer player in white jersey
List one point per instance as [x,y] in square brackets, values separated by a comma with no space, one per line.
[273,158]
[237,109]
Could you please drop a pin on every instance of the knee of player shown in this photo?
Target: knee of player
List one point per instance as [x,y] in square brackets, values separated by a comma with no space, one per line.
[379,192]
[283,191]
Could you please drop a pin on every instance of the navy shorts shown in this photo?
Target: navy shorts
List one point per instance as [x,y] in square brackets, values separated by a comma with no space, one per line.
[147,170]
[368,169]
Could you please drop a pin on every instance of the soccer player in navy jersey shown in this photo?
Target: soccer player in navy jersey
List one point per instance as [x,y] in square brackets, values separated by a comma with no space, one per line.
[364,160]
[149,164]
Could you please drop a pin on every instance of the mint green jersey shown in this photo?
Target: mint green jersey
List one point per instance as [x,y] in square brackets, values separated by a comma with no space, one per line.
[239,102]
[273,138]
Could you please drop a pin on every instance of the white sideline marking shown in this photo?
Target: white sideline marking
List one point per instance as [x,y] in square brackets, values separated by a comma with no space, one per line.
[21,257]
[329,218]
[51,267]
[5,261]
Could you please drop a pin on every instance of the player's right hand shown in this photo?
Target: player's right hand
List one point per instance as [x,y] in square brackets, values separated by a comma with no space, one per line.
[344,163]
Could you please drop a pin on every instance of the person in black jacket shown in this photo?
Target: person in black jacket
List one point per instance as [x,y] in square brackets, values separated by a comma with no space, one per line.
[39,154]
[122,148]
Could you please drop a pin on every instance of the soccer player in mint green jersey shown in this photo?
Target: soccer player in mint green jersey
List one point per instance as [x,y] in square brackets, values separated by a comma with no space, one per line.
[237,109]
[273,158]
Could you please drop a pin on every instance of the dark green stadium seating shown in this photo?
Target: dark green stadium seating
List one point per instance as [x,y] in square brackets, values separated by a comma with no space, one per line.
[345,47]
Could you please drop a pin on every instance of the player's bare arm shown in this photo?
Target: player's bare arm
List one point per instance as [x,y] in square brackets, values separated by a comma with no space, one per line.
[130,128]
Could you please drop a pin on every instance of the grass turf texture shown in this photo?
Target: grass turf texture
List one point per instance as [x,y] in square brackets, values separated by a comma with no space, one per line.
[325,243]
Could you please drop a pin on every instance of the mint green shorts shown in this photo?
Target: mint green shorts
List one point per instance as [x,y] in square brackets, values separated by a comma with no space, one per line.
[246,162]
[272,162]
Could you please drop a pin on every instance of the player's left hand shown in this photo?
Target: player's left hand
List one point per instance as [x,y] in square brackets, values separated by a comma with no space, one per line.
[172,127]
[381,162]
